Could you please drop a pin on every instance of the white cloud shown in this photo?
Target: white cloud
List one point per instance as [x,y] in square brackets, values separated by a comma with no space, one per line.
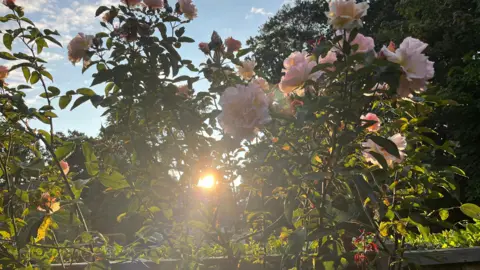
[49,56]
[260,11]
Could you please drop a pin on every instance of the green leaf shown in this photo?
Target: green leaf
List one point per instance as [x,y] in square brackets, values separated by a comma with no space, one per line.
[243,52]
[471,210]
[27,20]
[26,73]
[115,180]
[51,39]
[86,92]
[65,150]
[186,39]
[22,194]
[47,74]
[7,41]
[457,170]
[381,160]
[41,43]
[54,90]
[101,10]
[7,56]
[79,101]
[109,88]
[443,214]
[387,144]
[91,162]
[34,78]
[64,101]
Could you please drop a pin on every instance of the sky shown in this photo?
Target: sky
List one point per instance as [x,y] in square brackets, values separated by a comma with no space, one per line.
[239,19]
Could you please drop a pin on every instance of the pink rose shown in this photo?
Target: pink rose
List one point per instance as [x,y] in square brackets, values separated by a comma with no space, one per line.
[296,76]
[245,108]
[371,117]
[3,72]
[370,146]
[330,58]
[246,70]
[294,59]
[346,14]
[131,2]
[365,44]
[417,69]
[77,48]
[188,9]
[233,45]
[154,3]
[65,167]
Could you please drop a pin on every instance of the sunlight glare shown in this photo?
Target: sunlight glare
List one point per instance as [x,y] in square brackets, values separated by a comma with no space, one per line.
[207,181]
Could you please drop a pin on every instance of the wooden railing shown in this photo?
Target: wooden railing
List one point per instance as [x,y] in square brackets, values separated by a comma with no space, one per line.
[455,259]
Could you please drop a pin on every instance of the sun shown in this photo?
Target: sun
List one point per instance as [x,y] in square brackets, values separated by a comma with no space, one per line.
[207,182]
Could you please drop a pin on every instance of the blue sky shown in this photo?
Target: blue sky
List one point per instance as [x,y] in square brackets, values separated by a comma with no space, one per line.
[240,19]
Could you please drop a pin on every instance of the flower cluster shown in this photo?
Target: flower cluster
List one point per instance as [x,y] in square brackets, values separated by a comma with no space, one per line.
[364,244]
[245,108]
[297,68]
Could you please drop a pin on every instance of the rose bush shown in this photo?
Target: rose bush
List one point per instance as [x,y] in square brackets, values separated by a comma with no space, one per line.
[336,147]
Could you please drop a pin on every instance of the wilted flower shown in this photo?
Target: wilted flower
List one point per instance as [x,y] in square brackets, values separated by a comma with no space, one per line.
[371,117]
[330,58]
[131,2]
[48,204]
[9,3]
[346,14]
[77,48]
[65,167]
[417,69]
[246,70]
[203,46]
[262,83]
[371,146]
[245,108]
[232,44]
[188,9]
[3,73]
[183,90]
[154,3]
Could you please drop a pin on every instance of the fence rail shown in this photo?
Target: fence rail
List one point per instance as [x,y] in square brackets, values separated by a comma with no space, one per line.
[460,258]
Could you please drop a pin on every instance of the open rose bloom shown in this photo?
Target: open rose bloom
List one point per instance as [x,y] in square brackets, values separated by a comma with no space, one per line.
[65,167]
[232,45]
[371,117]
[370,146]
[346,14]
[247,69]
[48,204]
[245,108]
[416,67]
[132,2]
[154,3]
[297,69]
[78,48]
[188,9]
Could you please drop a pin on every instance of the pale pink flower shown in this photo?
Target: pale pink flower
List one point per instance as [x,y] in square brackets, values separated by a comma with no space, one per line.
[296,76]
[416,67]
[188,9]
[247,69]
[370,146]
[131,2]
[183,91]
[245,108]
[371,117]
[346,14]
[330,58]
[365,44]
[65,167]
[153,3]
[262,83]
[3,72]
[232,45]
[77,48]
[295,58]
